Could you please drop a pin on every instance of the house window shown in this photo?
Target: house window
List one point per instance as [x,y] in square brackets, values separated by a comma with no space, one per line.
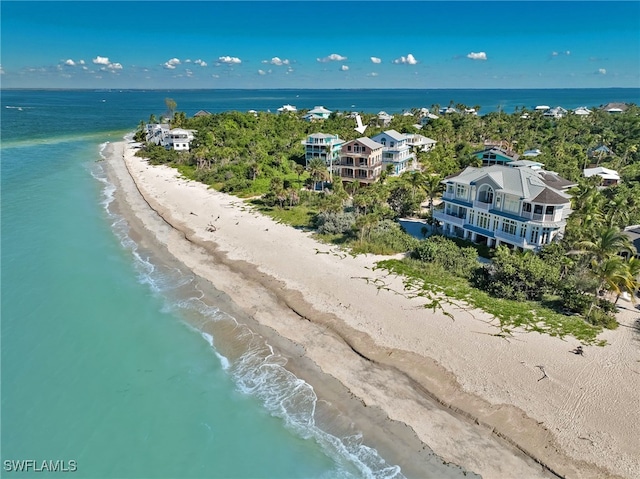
[526,207]
[523,231]
[546,233]
[535,234]
[498,201]
[548,210]
[509,226]
[392,144]
[511,204]
[537,209]
[349,148]
[483,221]
[450,189]
[485,195]
[461,191]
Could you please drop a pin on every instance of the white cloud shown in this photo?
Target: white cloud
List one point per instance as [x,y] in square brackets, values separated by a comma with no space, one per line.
[602,71]
[344,68]
[262,72]
[277,61]
[408,60]
[70,63]
[554,54]
[1,70]
[568,52]
[107,65]
[101,60]
[229,60]
[376,60]
[372,74]
[171,64]
[200,62]
[334,57]
[215,76]
[477,56]
[188,72]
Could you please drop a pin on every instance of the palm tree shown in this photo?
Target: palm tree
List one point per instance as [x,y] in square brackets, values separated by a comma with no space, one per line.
[630,282]
[416,180]
[609,242]
[317,168]
[433,187]
[610,273]
[364,224]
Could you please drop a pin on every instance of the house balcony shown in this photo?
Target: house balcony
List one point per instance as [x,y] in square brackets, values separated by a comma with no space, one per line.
[358,163]
[554,218]
[363,176]
[481,205]
[512,239]
[450,218]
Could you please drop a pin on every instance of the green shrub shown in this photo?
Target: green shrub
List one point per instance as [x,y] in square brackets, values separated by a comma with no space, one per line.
[444,252]
[327,222]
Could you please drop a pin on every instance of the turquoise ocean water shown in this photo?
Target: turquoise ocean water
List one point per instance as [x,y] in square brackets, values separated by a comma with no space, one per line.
[99,365]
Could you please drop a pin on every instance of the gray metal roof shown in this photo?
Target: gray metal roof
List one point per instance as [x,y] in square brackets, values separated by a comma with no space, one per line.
[392,134]
[369,143]
[524,183]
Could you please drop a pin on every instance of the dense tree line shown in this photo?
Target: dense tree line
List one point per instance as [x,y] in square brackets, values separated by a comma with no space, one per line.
[261,155]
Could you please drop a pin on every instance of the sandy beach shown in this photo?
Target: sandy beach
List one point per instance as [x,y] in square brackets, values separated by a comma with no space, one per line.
[416,376]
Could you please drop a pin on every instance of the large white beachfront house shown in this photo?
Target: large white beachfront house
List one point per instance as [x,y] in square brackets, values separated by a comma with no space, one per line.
[396,152]
[176,138]
[324,146]
[497,204]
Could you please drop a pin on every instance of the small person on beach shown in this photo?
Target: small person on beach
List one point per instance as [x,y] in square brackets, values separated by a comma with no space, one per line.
[578,350]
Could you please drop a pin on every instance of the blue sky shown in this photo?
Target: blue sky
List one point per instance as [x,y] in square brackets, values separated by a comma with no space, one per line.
[320,44]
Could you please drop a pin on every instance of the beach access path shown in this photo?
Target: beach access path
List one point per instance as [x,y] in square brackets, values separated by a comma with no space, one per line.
[476,399]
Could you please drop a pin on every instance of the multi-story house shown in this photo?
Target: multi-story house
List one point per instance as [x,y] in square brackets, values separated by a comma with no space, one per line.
[318,113]
[497,204]
[396,152]
[361,161]
[177,139]
[324,146]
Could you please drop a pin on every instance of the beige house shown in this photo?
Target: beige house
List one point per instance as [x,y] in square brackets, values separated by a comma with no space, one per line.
[361,161]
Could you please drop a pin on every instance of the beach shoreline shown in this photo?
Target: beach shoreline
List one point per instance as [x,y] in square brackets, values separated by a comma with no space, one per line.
[488,411]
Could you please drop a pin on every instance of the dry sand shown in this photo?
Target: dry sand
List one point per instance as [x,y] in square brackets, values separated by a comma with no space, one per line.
[477,400]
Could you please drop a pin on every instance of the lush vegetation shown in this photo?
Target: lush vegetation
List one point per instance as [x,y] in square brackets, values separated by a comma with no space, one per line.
[261,157]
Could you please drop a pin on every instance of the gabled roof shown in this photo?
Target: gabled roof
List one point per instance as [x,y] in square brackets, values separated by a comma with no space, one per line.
[555,181]
[615,107]
[499,151]
[550,197]
[320,110]
[582,110]
[393,134]
[369,143]
[605,173]
[202,113]
[525,183]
